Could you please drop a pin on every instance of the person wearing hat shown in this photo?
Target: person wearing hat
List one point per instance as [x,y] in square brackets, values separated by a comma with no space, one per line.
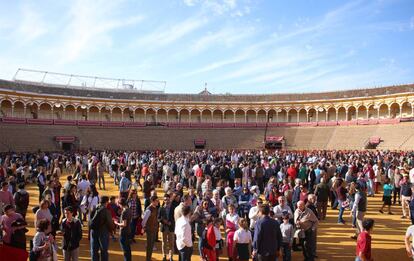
[71,229]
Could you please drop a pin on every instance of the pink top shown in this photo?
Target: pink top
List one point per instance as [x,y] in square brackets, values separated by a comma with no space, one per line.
[6,222]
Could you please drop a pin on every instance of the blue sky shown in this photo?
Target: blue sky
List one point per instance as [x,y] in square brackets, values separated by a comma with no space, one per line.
[236,46]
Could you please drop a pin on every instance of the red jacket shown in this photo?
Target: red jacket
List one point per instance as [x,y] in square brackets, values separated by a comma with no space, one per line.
[291,171]
[210,254]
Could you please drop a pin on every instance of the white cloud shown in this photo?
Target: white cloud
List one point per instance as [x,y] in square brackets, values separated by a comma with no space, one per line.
[286,61]
[89,27]
[219,7]
[219,64]
[31,25]
[227,36]
[168,35]
[190,2]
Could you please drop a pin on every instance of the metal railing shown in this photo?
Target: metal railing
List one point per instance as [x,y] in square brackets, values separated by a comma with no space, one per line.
[46,78]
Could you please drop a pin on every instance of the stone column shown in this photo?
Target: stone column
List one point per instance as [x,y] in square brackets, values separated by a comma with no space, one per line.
[400,114]
[412,110]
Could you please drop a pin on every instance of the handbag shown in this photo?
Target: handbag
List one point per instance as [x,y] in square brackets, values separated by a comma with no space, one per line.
[299,233]
[345,204]
[138,230]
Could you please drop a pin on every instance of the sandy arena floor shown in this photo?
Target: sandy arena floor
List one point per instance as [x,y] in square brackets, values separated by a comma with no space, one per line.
[334,242]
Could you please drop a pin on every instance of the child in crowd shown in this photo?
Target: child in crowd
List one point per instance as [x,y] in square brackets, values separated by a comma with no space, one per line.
[386,198]
[242,241]
[219,240]
[363,248]
[287,234]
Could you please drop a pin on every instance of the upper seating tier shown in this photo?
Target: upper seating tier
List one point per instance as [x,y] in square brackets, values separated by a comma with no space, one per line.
[128,95]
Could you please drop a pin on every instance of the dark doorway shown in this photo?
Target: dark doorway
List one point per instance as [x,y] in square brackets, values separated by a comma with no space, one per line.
[67,146]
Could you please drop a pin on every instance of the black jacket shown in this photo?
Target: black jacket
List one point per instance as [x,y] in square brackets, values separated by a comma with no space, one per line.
[72,234]
[267,236]
[164,217]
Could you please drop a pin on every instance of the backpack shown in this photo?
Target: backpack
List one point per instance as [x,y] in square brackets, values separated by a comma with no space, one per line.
[33,256]
[97,221]
[204,242]
[22,200]
[39,184]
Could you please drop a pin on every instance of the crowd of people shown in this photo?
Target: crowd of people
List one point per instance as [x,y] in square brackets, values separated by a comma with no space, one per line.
[238,204]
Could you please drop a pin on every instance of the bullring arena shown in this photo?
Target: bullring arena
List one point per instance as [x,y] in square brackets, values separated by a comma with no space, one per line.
[74,116]
[37,116]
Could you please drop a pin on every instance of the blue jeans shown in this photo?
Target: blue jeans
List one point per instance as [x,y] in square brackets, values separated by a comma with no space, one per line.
[200,246]
[99,242]
[185,253]
[124,240]
[353,220]
[287,255]
[370,187]
[133,228]
[341,211]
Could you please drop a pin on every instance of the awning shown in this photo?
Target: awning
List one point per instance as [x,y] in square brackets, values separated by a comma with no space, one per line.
[199,142]
[67,139]
[274,138]
[375,140]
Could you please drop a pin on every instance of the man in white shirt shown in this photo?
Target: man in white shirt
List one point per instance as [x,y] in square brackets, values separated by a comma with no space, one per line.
[282,208]
[254,213]
[183,235]
[83,185]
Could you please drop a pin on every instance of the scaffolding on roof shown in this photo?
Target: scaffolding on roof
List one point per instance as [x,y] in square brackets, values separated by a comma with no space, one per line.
[46,78]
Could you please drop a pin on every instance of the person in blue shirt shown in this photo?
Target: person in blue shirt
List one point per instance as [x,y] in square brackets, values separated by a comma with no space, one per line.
[386,198]
[124,186]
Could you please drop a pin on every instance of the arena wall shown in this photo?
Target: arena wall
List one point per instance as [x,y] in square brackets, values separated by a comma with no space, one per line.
[15,137]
